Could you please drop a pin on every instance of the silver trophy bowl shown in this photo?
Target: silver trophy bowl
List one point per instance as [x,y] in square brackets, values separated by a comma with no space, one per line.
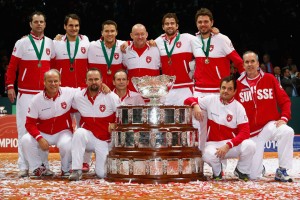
[153,87]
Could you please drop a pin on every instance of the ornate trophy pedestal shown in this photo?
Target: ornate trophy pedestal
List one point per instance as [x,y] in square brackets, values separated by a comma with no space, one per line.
[154,143]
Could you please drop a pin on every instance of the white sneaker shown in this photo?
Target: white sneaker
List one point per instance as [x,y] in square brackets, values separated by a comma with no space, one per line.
[49,173]
[23,173]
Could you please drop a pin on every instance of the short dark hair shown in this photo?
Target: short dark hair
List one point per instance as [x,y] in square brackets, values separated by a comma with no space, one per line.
[109,22]
[73,16]
[36,13]
[94,69]
[227,79]
[204,12]
[170,15]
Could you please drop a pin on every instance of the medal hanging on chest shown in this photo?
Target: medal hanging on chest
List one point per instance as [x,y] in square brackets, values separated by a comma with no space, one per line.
[170,61]
[110,59]
[169,53]
[37,52]
[75,52]
[206,50]
[206,61]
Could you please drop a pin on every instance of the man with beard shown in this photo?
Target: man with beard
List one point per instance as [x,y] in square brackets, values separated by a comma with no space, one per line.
[98,114]
[213,53]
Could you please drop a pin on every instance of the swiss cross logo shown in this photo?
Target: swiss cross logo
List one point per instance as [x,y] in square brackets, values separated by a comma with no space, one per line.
[116,56]
[178,44]
[148,59]
[48,51]
[64,105]
[211,47]
[229,117]
[102,108]
[83,50]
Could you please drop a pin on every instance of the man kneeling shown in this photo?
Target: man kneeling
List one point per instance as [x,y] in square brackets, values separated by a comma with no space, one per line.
[227,130]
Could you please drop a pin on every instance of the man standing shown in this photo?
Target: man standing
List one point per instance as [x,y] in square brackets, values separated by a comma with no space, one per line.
[71,61]
[175,55]
[98,114]
[139,58]
[105,53]
[228,135]
[31,59]
[49,123]
[213,53]
[127,96]
[261,95]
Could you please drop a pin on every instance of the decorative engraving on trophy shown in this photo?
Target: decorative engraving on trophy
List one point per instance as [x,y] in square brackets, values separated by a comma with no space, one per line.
[137,116]
[124,166]
[113,166]
[129,139]
[123,137]
[162,116]
[130,116]
[186,165]
[118,166]
[115,141]
[176,139]
[124,116]
[130,166]
[165,166]
[139,167]
[153,115]
[197,165]
[108,165]
[180,165]
[169,116]
[156,166]
[172,167]
[144,115]
[183,139]
[169,139]
[177,116]
[153,138]
[136,139]
[194,165]
[144,140]
[147,167]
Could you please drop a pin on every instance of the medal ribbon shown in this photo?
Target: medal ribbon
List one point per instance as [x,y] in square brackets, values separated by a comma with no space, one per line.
[37,52]
[75,51]
[169,53]
[206,52]
[108,61]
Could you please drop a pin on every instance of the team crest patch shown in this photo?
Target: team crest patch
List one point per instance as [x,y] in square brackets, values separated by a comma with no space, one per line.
[64,105]
[178,44]
[102,108]
[229,117]
[148,59]
[83,50]
[116,56]
[48,51]
[211,47]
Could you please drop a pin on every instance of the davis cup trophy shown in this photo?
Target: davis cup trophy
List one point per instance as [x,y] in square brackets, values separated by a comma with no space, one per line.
[154,143]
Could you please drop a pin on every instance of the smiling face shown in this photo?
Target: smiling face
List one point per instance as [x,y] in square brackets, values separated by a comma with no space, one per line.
[72,28]
[251,64]
[170,26]
[204,24]
[52,82]
[93,80]
[109,33]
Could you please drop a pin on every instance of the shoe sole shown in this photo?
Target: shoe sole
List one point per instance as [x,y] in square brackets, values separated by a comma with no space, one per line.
[280,180]
[75,179]
[236,174]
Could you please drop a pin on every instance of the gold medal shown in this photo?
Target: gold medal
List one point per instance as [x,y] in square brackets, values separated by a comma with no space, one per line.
[206,61]
[39,64]
[109,72]
[170,61]
[71,68]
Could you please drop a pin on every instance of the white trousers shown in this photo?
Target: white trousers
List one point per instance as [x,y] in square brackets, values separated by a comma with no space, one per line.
[284,135]
[34,154]
[85,141]
[243,151]
[22,104]
[87,155]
